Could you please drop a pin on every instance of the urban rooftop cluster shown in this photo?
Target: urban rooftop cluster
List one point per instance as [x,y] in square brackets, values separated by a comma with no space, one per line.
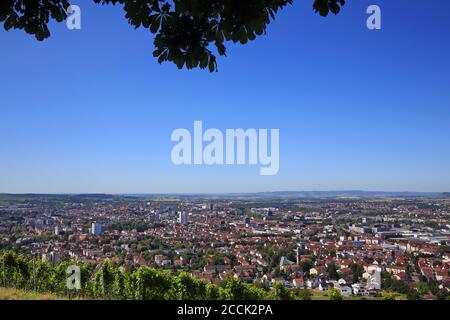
[357,245]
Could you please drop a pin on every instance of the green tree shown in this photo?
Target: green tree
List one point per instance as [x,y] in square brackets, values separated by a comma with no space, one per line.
[389,295]
[119,284]
[41,276]
[332,271]
[151,284]
[334,294]
[104,281]
[189,288]
[357,271]
[306,265]
[212,292]
[187,33]
[422,289]
[280,292]
[235,289]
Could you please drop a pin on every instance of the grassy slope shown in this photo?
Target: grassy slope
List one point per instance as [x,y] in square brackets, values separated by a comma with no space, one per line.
[14,294]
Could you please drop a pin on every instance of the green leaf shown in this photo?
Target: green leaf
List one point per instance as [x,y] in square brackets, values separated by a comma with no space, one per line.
[179,61]
[212,64]
[163,57]
[155,25]
[157,52]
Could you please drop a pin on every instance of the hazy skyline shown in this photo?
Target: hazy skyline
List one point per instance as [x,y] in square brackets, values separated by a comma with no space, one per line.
[91,111]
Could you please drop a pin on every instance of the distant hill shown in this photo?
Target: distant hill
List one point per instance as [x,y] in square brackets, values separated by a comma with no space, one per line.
[60,197]
[298,194]
[347,193]
[255,195]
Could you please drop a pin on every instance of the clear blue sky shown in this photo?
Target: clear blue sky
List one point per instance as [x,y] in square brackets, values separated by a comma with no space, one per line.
[92,111]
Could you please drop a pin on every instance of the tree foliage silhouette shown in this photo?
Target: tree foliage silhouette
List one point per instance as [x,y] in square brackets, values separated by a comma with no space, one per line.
[187,32]
[109,281]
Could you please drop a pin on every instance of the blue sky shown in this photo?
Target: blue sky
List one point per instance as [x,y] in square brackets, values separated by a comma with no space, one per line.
[92,111]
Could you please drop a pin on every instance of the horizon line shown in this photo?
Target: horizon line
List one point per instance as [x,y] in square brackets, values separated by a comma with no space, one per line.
[222,193]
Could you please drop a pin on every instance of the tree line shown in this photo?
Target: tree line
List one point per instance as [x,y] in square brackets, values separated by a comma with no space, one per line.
[112,282]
